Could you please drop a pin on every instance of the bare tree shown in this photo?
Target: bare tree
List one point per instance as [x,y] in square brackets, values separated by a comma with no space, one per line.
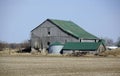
[118,42]
[108,41]
[3,45]
[25,44]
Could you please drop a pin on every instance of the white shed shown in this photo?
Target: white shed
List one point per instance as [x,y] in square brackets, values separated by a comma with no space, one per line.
[55,48]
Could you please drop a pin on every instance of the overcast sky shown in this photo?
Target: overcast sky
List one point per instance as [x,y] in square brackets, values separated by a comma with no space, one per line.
[19,17]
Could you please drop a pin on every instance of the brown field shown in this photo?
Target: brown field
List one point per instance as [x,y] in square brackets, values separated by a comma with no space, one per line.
[59,66]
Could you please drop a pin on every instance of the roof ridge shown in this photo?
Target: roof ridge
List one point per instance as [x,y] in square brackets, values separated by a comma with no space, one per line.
[60,20]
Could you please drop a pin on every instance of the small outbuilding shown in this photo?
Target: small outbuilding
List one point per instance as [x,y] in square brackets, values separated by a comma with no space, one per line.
[55,48]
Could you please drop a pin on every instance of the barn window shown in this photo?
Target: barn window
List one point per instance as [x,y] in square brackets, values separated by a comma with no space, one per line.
[48,32]
[48,43]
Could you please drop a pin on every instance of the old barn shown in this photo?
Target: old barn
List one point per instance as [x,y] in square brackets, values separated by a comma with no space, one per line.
[52,30]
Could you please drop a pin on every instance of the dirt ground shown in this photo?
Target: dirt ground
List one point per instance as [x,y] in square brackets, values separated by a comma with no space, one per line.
[59,66]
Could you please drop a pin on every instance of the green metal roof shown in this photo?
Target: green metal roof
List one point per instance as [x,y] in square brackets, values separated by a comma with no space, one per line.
[83,46]
[73,29]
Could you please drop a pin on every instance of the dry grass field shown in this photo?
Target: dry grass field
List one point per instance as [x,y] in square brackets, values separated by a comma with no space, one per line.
[59,66]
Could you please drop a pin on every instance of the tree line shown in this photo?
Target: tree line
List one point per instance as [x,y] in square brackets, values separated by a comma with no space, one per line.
[110,42]
[4,45]
[26,44]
